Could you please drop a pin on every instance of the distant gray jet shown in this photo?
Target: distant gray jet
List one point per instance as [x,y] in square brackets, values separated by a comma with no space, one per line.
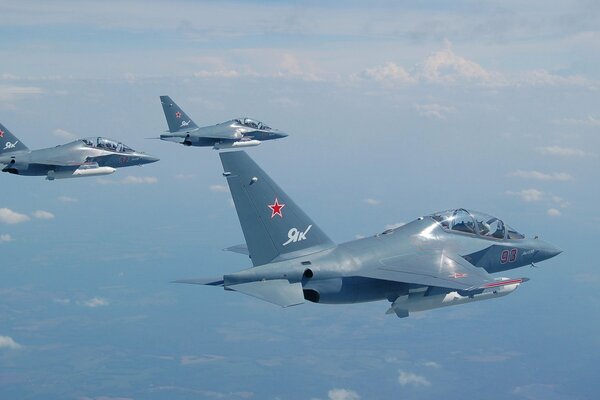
[81,158]
[240,132]
[438,260]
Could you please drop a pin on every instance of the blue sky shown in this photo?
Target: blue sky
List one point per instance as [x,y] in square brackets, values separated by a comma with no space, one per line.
[395,110]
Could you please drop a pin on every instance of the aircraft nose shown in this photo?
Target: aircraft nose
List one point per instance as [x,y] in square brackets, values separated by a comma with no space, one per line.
[148,159]
[279,134]
[547,251]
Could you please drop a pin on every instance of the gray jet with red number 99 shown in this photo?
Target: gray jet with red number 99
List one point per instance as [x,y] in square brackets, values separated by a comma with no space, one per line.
[438,260]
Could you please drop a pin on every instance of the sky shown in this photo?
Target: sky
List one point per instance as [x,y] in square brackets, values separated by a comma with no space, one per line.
[395,110]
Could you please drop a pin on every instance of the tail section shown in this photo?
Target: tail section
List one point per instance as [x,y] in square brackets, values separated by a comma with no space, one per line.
[9,142]
[177,119]
[273,225]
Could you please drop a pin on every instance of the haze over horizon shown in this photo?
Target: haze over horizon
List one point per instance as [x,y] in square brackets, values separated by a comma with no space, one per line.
[395,110]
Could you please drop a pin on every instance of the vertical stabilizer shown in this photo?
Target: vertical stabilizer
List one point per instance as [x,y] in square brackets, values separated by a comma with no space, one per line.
[273,225]
[9,142]
[177,119]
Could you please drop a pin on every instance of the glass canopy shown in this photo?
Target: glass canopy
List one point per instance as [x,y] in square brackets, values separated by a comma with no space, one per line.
[107,144]
[475,223]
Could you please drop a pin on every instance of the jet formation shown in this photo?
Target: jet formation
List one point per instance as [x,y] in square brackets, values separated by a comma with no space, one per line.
[442,259]
[92,156]
[235,133]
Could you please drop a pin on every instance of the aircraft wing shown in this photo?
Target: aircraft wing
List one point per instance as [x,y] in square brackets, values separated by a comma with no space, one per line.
[441,269]
[239,248]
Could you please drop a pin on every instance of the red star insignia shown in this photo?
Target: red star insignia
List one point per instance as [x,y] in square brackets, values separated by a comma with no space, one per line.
[178,114]
[1,133]
[276,208]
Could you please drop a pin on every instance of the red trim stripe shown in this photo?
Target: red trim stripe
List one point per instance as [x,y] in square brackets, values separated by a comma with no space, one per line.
[503,283]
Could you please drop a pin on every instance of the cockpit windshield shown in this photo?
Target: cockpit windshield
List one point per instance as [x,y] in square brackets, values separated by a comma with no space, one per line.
[252,123]
[475,223]
[107,144]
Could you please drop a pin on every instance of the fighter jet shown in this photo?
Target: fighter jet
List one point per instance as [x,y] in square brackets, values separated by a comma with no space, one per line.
[85,157]
[239,132]
[438,260]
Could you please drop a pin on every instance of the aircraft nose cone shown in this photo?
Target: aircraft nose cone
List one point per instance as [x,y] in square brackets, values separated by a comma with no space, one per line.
[150,159]
[279,134]
[547,251]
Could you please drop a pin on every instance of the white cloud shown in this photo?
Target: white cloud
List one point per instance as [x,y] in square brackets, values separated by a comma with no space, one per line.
[446,67]
[389,72]
[41,214]
[189,360]
[563,151]
[221,73]
[293,67]
[409,378]
[129,180]
[432,364]
[134,180]
[553,212]
[492,357]
[342,394]
[63,134]
[10,92]
[67,199]
[6,342]
[218,188]
[95,302]
[556,176]
[5,238]
[528,195]
[8,216]
[185,177]
[372,202]
[434,110]
[588,121]
[537,391]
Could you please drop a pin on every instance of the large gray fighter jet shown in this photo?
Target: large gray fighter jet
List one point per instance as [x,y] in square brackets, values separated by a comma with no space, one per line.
[85,157]
[439,260]
[239,132]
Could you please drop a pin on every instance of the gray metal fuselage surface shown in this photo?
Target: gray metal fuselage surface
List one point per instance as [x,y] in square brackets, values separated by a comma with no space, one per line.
[235,133]
[80,158]
[438,260]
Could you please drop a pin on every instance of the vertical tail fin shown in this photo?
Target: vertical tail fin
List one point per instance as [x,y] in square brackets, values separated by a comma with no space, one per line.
[273,225]
[9,142]
[177,119]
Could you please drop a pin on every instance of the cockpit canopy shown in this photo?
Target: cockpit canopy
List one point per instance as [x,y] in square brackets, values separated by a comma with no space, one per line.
[475,223]
[252,123]
[107,144]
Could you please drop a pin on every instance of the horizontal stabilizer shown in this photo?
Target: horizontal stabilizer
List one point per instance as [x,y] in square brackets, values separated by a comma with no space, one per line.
[202,281]
[238,248]
[277,291]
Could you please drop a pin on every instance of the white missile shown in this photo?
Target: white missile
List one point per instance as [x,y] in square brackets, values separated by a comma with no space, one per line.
[80,172]
[239,143]
[417,301]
